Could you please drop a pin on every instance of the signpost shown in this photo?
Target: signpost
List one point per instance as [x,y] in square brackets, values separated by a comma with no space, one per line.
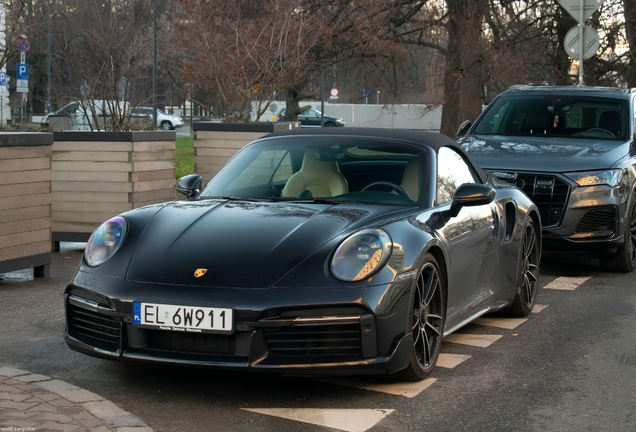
[587,40]
[334,93]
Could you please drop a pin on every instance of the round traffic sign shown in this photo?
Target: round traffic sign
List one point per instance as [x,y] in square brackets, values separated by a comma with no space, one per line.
[334,92]
[590,42]
[24,45]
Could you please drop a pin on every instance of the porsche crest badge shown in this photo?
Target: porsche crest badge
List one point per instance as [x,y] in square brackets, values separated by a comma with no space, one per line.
[200,272]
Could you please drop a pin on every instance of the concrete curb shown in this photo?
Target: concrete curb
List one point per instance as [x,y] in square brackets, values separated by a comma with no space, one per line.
[33,402]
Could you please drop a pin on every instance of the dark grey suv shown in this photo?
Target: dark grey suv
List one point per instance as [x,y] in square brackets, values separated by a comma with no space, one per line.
[573,151]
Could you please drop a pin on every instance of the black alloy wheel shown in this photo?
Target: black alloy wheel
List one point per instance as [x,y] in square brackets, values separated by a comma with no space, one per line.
[426,321]
[527,281]
[624,259]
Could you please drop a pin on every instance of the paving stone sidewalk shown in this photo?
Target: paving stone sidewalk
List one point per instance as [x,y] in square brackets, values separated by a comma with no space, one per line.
[32,402]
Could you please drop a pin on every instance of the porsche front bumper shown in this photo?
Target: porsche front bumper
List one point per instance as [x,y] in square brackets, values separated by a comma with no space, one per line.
[327,331]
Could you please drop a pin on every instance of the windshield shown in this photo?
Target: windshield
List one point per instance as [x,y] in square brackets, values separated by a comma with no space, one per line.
[323,169]
[556,116]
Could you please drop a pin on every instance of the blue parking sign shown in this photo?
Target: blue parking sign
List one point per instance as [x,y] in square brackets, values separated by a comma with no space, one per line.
[3,79]
[23,71]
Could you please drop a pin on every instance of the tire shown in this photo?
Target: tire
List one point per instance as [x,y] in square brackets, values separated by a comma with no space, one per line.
[528,275]
[166,125]
[427,316]
[330,124]
[624,259]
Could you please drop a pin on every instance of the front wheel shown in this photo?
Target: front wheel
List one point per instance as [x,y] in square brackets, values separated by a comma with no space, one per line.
[426,322]
[624,259]
[166,125]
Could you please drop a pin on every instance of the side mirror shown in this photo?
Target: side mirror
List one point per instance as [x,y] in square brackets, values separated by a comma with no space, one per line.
[189,185]
[463,128]
[471,194]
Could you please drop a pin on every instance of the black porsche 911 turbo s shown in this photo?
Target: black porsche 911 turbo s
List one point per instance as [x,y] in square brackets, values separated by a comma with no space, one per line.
[311,252]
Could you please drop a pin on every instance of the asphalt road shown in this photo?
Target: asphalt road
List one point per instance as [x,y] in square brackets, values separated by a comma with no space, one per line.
[569,367]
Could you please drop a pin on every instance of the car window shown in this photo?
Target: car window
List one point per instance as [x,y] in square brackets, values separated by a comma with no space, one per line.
[452,171]
[555,115]
[350,169]
[270,166]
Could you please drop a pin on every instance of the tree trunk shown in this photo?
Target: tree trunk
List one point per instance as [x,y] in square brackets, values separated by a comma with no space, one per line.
[463,83]
[630,29]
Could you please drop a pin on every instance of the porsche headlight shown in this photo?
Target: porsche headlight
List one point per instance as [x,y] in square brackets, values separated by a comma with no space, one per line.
[361,255]
[105,241]
[610,177]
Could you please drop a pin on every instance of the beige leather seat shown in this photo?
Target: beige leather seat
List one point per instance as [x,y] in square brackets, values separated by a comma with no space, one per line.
[321,178]
[411,178]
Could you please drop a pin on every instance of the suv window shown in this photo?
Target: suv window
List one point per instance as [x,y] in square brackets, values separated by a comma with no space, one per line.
[556,115]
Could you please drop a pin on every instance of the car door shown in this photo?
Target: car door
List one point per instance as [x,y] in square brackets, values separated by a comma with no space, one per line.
[309,118]
[470,235]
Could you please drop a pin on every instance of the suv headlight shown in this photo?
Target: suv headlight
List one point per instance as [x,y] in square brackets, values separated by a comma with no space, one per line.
[361,255]
[611,177]
[105,241]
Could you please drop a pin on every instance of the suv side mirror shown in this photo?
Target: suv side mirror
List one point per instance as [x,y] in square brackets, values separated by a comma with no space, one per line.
[463,128]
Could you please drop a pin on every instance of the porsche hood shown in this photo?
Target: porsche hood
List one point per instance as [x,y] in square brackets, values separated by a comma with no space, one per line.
[235,243]
[542,153]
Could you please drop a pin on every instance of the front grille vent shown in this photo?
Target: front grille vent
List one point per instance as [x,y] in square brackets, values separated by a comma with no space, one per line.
[315,339]
[550,194]
[204,343]
[88,319]
[599,222]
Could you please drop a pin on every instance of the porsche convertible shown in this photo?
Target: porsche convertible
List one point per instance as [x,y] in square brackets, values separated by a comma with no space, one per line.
[311,252]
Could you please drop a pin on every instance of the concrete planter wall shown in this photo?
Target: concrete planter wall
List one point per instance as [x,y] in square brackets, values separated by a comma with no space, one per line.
[216,143]
[97,175]
[25,202]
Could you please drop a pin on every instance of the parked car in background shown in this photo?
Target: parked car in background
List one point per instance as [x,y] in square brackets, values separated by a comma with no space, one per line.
[164,121]
[81,113]
[311,252]
[574,151]
[312,118]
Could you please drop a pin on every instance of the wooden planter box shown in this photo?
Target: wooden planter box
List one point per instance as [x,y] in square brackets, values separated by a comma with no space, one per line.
[25,202]
[97,175]
[216,143]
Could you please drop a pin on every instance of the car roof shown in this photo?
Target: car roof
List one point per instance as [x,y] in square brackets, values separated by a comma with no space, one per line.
[573,90]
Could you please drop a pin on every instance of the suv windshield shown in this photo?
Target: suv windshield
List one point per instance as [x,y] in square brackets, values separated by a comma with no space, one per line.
[556,116]
[323,169]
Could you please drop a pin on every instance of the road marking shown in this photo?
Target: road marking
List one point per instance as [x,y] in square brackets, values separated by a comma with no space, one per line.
[482,341]
[565,283]
[538,308]
[506,323]
[449,361]
[350,420]
[405,389]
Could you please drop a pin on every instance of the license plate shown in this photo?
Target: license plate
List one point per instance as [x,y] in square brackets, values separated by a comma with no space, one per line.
[195,319]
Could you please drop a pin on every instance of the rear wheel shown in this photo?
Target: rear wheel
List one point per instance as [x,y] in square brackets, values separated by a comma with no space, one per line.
[527,280]
[624,259]
[426,321]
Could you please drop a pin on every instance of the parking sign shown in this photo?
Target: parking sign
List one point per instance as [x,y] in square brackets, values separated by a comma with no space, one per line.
[22,78]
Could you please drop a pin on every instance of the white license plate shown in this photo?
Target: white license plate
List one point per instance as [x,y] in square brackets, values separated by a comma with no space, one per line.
[194,319]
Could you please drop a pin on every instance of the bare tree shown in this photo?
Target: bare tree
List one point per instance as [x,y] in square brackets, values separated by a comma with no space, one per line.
[101,48]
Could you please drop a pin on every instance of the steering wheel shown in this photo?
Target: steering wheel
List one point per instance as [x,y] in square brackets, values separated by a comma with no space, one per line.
[393,186]
[598,129]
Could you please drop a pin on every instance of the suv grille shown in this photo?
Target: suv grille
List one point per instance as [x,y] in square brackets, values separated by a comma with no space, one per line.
[317,339]
[550,194]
